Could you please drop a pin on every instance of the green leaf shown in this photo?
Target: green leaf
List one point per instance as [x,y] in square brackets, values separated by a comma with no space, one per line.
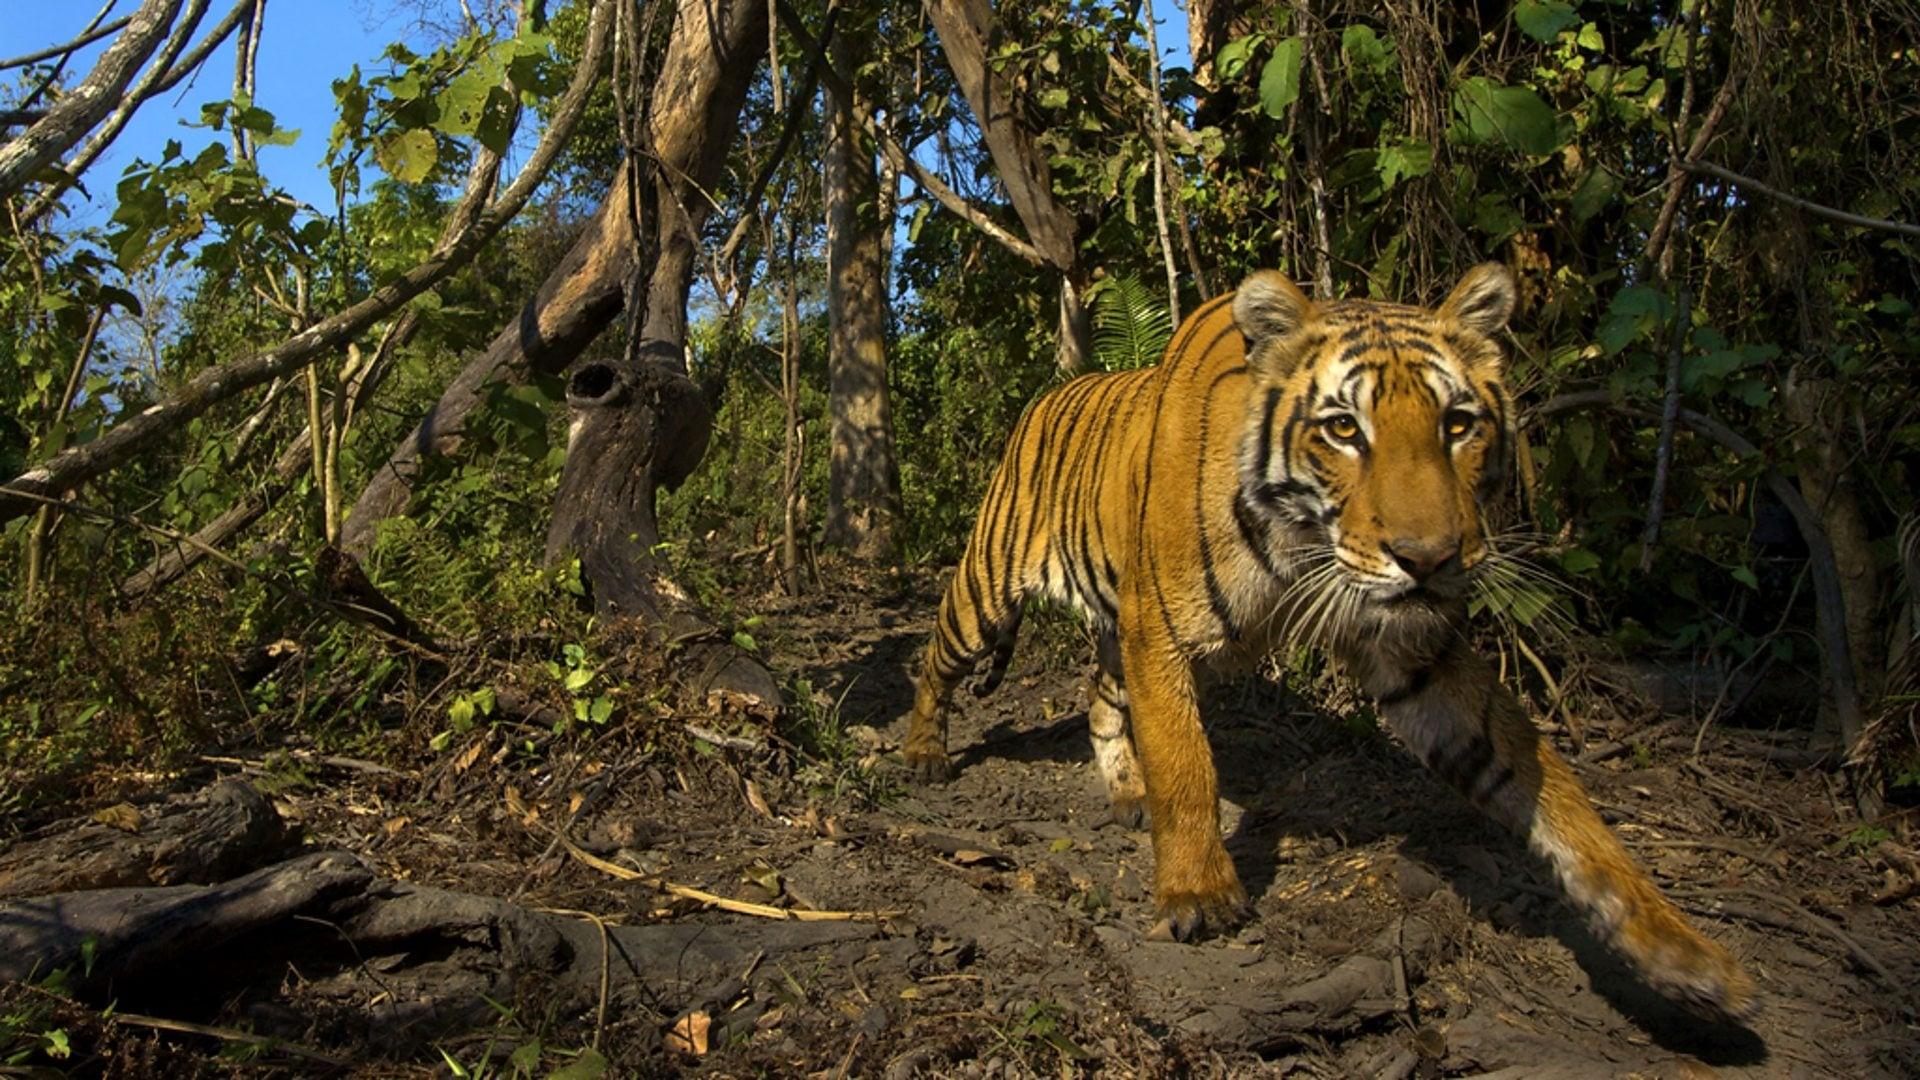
[1542,20]
[1131,323]
[463,102]
[590,1065]
[1232,58]
[1582,440]
[1595,191]
[1363,48]
[408,157]
[1579,561]
[460,713]
[1746,577]
[1053,97]
[1491,113]
[601,710]
[745,641]
[1280,80]
[1634,314]
[1589,38]
[1403,160]
[577,679]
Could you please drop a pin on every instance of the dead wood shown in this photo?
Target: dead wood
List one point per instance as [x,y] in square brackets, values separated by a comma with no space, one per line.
[639,424]
[22,157]
[202,837]
[412,962]
[702,83]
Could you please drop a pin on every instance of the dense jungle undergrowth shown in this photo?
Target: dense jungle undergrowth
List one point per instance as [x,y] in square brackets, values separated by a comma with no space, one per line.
[288,647]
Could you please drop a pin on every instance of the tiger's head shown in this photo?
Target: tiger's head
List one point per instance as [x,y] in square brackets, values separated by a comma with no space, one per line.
[1378,431]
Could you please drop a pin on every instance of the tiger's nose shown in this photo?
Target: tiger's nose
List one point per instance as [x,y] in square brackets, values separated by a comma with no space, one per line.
[1422,559]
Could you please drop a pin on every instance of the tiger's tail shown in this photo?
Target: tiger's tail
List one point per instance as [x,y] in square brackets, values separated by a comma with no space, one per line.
[979,617]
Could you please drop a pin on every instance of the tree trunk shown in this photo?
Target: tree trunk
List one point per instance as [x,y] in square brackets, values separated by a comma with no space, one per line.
[710,62]
[577,301]
[638,425]
[703,83]
[969,35]
[863,495]
[1812,403]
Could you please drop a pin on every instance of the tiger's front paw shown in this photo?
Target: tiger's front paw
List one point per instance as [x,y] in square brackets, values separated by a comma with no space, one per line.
[1186,917]
[927,765]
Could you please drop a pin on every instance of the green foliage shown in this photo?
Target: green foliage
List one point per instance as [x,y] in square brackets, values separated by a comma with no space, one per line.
[1131,324]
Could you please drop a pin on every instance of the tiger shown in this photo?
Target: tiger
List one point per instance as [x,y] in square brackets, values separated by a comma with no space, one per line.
[1292,472]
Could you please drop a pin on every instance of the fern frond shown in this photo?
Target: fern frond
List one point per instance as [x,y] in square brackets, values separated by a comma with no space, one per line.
[1131,324]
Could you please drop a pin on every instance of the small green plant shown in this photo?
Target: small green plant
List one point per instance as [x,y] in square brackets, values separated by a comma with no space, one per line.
[1863,839]
[463,713]
[578,676]
[29,1032]
[1038,1034]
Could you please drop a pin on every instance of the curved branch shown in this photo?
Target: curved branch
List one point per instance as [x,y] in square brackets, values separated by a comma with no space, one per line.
[904,161]
[1748,183]
[165,72]
[1829,600]
[73,467]
[22,158]
[85,39]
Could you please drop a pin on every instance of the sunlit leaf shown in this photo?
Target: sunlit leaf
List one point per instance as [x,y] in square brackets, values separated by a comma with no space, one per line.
[1280,79]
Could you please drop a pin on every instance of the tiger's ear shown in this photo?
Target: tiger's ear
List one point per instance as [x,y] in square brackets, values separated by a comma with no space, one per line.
[1483,300]
[1268,307]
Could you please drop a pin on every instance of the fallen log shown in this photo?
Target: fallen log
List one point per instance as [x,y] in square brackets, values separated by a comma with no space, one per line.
[198,838]
[404,962]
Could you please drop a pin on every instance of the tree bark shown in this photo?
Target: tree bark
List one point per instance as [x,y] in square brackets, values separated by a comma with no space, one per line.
[1824,478]
[704,79]
[201,837]
[638,425]
[863,494]
[22,157]
[711,58]
[968,32]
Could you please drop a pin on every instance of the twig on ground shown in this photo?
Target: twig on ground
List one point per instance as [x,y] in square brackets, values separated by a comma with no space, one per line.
[161,1023]
[606,965]
[741,907]
[1801,919]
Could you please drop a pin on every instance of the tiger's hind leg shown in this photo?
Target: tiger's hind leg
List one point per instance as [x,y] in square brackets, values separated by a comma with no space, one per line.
[975,620]
[1112,741]
[1457,718]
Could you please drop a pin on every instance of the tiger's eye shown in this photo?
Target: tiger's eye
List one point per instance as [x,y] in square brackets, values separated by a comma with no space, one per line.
[1459,424]
[1344,428]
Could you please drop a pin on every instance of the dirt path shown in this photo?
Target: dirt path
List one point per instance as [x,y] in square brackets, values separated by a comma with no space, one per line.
[1395,934]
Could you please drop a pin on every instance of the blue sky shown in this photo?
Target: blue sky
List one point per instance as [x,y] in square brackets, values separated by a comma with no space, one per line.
[307,45]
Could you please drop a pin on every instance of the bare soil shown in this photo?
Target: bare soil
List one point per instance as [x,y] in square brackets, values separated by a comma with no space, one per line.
[1394,932]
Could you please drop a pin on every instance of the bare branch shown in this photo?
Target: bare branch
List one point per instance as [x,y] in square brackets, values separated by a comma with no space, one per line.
[22,158]
[164,72]
[86,38]
[932,184]
[67,470]
[1748,183]
[1829,598]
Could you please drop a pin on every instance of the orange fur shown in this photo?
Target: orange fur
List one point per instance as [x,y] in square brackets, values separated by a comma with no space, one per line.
[1290,471]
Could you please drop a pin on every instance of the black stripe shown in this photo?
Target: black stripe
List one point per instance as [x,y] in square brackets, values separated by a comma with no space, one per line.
[1253,532]
[1216,597]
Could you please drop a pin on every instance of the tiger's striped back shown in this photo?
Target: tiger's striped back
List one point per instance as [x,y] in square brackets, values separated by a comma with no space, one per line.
[1290,469]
